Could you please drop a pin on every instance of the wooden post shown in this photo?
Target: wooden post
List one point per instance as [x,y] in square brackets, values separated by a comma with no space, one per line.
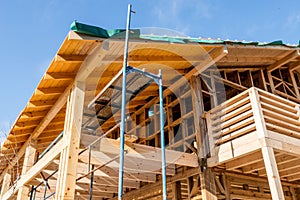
[214,98]
[226,185]
[272,173]
[29,159]
[267,152]
[5,184]
[293,193]
[263,80]
[66,181]
[208,188]
[198,107]
[295,84]
[271,82]
[176,190]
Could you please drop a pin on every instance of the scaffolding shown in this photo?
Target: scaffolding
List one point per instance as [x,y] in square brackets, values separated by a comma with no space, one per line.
[225,132]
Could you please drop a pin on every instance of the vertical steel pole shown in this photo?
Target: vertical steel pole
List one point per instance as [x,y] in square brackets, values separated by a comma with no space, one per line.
[123,109]
[91,184]
[31,193]
[162,137]
[45,188]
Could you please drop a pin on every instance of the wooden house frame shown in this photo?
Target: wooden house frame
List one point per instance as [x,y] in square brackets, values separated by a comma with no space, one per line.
[232,124]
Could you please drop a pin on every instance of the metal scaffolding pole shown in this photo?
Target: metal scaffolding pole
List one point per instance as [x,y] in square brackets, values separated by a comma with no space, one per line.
[162,137]
[158,79]
[123,108]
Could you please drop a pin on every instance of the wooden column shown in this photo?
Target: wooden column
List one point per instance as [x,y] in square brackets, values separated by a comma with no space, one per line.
[271,82]
[176,190]
[66,181]
[272,173]
[214,98]
[295,84]
[207,180]
[267,152]
[227,186]
[29,159]
[5,184]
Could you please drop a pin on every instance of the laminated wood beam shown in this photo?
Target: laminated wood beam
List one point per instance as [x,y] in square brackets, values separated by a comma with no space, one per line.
[5,184]
[259,165]
[139,158]
[28,162]
[284,60]
[205,147]
[132,165]
[36,113]
[41,103]
[244,161]
[69,58]
[66,181]
[59,76]
[52,90]
[272,173]
[150,153]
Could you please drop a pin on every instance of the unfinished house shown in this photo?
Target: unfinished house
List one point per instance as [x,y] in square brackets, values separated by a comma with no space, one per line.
[231,121]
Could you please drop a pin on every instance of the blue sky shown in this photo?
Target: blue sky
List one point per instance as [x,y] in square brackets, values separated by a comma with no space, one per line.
[31,31]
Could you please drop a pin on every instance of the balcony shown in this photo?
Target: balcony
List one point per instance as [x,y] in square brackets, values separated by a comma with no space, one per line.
[257,133]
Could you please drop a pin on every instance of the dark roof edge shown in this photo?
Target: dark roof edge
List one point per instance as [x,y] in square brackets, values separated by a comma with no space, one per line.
[120,33]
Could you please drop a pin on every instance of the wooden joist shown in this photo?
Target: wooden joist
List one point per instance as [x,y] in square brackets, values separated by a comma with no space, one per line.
[284,60]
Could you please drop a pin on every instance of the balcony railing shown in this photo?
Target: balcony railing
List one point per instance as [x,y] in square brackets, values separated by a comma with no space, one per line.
[250,120]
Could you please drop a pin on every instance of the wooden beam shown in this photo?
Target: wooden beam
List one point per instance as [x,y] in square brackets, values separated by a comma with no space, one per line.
[59,75]
[294,66]
[208,186]
[267,152]
[93,60]
[132,165]
[272,173]
[153,58]
[38,167]
[41,103]
[39,129]
[5,184]
[66,181]
[157,186]
[36,113]
[284,60]
[244,161]
[69,58]
[52,90]
[214,56]
[111,181]
[139,151]
[72,35]
[257,113]
[198,107]
[295,85]
[28,162]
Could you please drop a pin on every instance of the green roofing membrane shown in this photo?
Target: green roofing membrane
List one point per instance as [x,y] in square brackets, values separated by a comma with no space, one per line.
[135,33]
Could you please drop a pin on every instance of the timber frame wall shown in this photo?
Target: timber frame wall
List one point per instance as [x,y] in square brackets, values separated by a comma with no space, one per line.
[233,130]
